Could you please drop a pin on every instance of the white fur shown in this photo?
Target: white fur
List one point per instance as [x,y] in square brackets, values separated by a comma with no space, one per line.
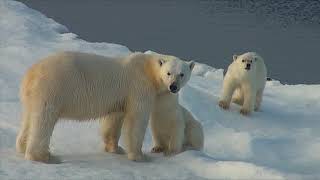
[244,87]
[173,127]
[175,67]
[83,86]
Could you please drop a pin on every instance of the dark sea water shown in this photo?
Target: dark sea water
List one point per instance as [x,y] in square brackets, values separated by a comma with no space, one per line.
[285,32]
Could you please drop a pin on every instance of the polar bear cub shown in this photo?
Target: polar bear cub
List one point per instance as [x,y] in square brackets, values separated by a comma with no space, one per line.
[244,82]
[173,127]
[82,86]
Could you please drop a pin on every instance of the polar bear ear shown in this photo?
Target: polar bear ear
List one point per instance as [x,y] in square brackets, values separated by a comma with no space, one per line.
[235,57]
[161,62]
[191,65]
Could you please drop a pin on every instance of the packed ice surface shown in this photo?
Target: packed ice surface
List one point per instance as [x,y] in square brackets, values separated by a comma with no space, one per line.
[282,141]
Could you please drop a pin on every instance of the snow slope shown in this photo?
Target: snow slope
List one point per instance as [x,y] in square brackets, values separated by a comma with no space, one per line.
[282,141]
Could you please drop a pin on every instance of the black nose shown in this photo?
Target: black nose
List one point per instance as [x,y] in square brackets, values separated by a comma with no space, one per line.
[248,66]
[173,88]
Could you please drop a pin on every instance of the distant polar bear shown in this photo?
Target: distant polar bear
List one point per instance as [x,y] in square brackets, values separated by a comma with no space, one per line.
[173,127]
[244,82]
[84,86]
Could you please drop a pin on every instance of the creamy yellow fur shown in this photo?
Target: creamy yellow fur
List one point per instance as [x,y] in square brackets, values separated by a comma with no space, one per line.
[83,86]
[173,127]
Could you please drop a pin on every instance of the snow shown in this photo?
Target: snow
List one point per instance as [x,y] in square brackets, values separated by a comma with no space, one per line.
[282,141]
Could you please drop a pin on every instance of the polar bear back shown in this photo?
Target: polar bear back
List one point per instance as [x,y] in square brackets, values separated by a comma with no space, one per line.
[87,85]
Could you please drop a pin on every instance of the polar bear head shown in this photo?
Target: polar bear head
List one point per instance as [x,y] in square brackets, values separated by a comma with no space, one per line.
[175,73]
[246,61]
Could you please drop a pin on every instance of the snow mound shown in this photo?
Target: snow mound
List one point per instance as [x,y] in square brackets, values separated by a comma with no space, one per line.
[279,142]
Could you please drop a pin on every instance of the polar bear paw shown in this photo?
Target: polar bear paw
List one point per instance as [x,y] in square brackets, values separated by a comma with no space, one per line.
[245,112]
[116,150]
[171,152]
[138,157]
[157,149]
[40,157]
[223,104]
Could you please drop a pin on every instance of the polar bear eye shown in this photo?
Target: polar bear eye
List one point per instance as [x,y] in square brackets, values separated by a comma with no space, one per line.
[181,75]
[242,60]
[168,74]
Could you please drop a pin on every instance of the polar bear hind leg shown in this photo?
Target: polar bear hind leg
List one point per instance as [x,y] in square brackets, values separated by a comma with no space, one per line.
[41,128]
[258,100]
[110,127]
[23,134]
[195,136]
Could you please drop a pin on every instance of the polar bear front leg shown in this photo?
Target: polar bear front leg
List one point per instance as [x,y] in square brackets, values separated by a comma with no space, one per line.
[135,125]
[237,97]
[158,146]
[229,87]
[249,100]
[110,127]
[176,139]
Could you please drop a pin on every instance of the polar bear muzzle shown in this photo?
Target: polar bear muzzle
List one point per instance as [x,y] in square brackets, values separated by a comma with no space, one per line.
[174,88]
[248,66]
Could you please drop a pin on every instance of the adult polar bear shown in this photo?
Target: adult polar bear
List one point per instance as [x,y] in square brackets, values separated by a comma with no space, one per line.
[171,124]
[83,86]
[244,82]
